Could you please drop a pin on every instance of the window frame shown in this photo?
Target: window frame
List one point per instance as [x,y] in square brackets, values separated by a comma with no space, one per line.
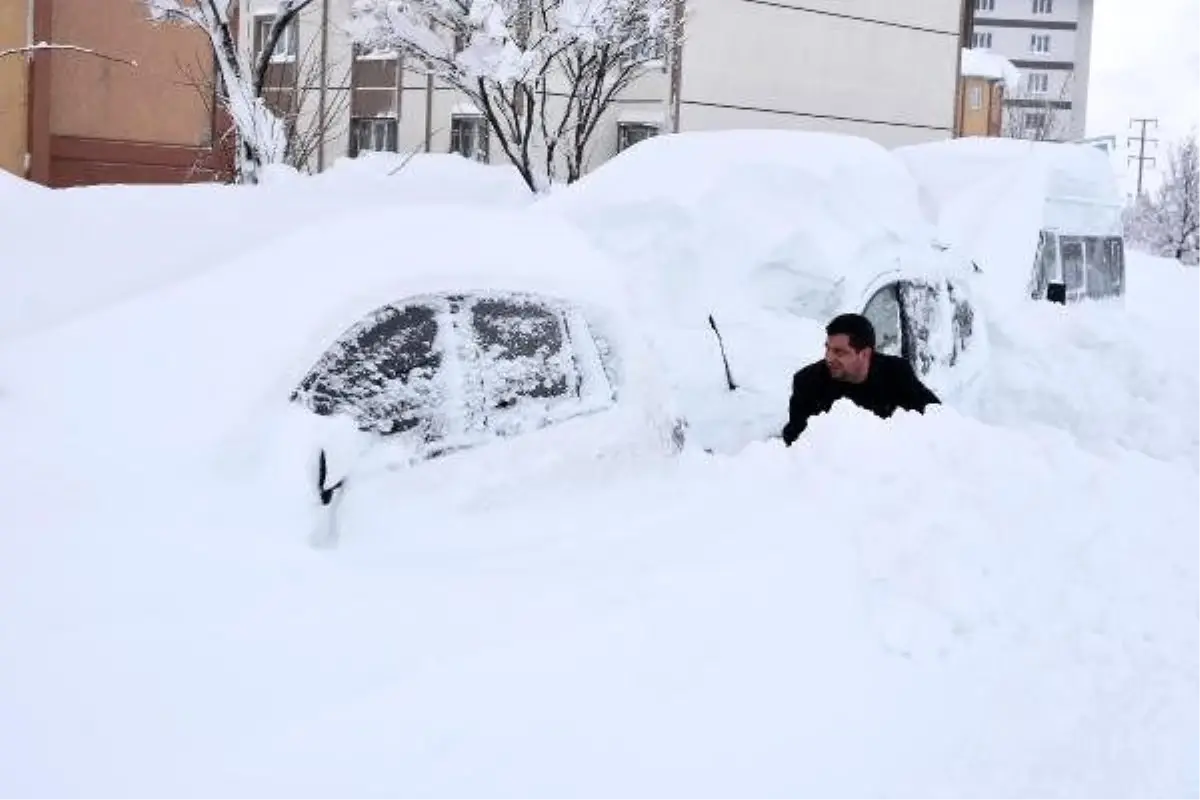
[1049,266]
[947,298]
[261,25]
[392,133]
[624,130]
[482,153]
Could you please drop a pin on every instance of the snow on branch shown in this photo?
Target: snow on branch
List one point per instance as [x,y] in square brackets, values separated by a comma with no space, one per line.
[262,135]
[73,48]
[542,72]
[1167,223]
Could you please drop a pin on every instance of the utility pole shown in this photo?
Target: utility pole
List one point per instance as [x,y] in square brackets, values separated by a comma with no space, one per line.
[1141,157]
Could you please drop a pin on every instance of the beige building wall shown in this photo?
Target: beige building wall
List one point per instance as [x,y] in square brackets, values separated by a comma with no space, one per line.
[883,69]
[14,88]
[154,102]
[982,105]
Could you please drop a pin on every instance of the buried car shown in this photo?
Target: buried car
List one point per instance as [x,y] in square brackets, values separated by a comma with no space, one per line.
[753,240]
[519,331]
[1044,219]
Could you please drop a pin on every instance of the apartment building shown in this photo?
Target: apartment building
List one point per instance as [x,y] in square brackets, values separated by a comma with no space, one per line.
[1050,41]
[883,69]
[121,101]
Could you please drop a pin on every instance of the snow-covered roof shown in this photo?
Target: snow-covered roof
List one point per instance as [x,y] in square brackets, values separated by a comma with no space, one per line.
[1066,170]
[981,63]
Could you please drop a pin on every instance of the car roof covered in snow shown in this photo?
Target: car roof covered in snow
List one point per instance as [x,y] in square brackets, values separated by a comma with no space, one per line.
[947,169]
[720,210]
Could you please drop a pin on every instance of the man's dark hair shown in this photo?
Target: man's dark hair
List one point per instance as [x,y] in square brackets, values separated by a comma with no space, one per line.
[855,327]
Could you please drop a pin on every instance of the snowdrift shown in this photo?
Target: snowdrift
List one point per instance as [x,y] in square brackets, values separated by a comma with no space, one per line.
[227,347]
[69,252]
[771,233]
[973,610]
[995,603]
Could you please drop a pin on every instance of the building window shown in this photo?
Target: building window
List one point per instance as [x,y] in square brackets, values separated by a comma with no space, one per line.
[373,136]
[375,84]
[985,5]
[983,40]
[630,133]
[1038,82]
[1043,6]
[469,137]
[1034,123]
[1039,43]
[976,97]
[285,48]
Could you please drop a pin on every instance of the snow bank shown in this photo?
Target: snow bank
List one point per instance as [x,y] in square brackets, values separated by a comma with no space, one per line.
[994,606]
[728,205]
[226,348]
[971,610]
[983,63]
[1113,376]
[72,251]
[992,197]
[431,178]
[771,233]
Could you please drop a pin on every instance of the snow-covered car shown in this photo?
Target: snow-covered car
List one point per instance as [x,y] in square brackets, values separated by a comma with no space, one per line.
[753,240]
[1042,219]
[489,327]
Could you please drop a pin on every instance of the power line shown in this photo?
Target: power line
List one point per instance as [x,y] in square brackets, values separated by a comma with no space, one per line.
[1141,157]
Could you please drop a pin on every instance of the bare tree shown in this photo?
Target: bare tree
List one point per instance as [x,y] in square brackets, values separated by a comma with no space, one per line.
[291,97]
[1166,223]
[542,72]
[262,134]
[1038,116]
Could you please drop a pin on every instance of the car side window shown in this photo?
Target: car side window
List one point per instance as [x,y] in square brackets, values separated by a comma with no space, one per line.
[883,310]
[384,373]
[1073,272]
[962,323]
[1105,266]
[523,346]
[455,370]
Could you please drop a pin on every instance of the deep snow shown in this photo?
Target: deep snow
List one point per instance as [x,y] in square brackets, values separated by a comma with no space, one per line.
[977,602]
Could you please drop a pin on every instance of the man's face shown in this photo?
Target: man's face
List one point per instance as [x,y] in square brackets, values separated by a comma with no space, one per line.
[844,362]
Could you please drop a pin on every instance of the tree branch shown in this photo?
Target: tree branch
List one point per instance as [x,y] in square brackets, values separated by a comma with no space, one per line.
[41,46]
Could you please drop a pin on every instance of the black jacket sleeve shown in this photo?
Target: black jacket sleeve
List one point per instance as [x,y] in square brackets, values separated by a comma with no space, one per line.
[801,407]
[914,395]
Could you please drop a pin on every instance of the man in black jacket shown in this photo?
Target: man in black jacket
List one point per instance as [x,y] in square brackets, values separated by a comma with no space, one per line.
[853,370]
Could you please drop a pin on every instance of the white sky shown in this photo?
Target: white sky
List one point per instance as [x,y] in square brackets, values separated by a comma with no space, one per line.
[1145,63]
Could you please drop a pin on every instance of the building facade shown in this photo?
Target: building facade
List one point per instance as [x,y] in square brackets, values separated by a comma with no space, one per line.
[981,106]
[1050,41]
[14,85]
[883,69]
[122,101]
